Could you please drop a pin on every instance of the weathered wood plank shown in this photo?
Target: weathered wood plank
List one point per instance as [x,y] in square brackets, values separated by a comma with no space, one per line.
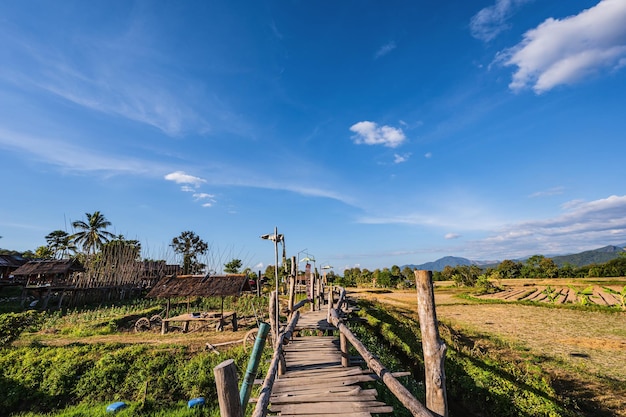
[332,408]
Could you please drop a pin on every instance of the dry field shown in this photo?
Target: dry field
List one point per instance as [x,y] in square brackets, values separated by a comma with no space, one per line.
[585,348]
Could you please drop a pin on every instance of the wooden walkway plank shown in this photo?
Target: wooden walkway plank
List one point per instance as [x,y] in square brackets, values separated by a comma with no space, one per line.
[315,384]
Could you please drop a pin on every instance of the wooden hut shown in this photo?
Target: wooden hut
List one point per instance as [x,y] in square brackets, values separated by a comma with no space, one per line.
[8,264]
[200,286]
[47,277]
[49,272]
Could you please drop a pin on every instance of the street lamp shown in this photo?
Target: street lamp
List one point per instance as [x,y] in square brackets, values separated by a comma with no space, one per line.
[325,268]
[276,238]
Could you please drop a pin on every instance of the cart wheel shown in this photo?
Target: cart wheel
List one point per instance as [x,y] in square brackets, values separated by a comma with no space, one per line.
[142,325]
[250,338]
[156,320]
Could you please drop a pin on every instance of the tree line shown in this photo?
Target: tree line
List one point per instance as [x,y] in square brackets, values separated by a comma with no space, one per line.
[91,244]
[537,266]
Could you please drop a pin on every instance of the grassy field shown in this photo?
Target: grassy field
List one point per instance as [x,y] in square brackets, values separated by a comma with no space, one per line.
[581,349]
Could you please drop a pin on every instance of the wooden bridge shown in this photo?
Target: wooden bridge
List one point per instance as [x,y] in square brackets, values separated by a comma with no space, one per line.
[313,376]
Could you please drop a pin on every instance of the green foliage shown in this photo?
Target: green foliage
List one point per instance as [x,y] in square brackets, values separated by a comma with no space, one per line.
[44,379]
[190,246]
[233,266]
[13,324]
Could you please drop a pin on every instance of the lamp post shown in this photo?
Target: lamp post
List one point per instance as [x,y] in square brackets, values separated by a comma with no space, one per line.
[276,238]
[325,268]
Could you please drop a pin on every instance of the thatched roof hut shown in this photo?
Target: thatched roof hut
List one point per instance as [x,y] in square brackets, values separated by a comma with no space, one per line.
[200,286]
[49,271]
[8,264]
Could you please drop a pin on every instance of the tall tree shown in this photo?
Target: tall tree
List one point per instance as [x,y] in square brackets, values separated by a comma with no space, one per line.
[92,234]
[233,266]
[189,245]
[60,243]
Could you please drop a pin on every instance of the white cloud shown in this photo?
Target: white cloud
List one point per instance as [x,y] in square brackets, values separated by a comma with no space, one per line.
[452,236]
[547,193]
[582,226]
[187,189]
[369,133]
[428,155]
[398,159]
[179,177]
[490,21]
[72,157]
[208,199]
[564,51]
[385,49]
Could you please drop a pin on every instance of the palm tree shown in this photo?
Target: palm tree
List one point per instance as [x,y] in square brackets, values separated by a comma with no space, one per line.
[92,234]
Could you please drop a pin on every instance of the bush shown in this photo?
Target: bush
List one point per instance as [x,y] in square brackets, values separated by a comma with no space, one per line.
[13,324]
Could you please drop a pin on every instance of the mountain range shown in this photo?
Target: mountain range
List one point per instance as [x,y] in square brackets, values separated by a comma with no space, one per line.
[595,256]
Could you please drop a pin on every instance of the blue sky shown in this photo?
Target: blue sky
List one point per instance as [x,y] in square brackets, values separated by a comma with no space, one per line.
[370,133]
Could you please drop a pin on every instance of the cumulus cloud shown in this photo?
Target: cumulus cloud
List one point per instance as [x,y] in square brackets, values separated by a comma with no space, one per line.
[180,177]
[385,49]
[452,236]
[369,133]
[491,21]
[563,51]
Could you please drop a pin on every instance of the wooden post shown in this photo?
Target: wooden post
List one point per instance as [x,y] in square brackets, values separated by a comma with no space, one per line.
[227,391]
[343,345]
[434,348]
[273,324]
[312,285]
[292,285]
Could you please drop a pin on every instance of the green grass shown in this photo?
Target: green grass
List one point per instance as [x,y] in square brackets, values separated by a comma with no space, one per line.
[476,381]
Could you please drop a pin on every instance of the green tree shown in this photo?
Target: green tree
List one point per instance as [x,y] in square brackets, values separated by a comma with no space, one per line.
[233,266]
[509,269]
[190,246]
[44,252]
[92,234]
[60,243]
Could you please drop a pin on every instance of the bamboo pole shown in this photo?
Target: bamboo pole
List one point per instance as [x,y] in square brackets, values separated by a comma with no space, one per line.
[227,392]
[253,365]
[434,349]
[416,408]
[266,391]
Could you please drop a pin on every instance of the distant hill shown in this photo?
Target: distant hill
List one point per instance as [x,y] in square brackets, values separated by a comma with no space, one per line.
[597,256]
[439,264]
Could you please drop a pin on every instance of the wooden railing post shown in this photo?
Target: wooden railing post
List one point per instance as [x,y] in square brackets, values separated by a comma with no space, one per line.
[343,345]
[292,285]
[273,324]
[434,349]
[227,391]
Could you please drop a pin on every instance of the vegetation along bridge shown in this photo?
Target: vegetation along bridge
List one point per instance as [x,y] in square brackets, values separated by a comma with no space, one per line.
[312,376]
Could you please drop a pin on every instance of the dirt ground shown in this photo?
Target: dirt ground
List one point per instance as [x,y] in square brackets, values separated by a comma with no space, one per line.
[575,342]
